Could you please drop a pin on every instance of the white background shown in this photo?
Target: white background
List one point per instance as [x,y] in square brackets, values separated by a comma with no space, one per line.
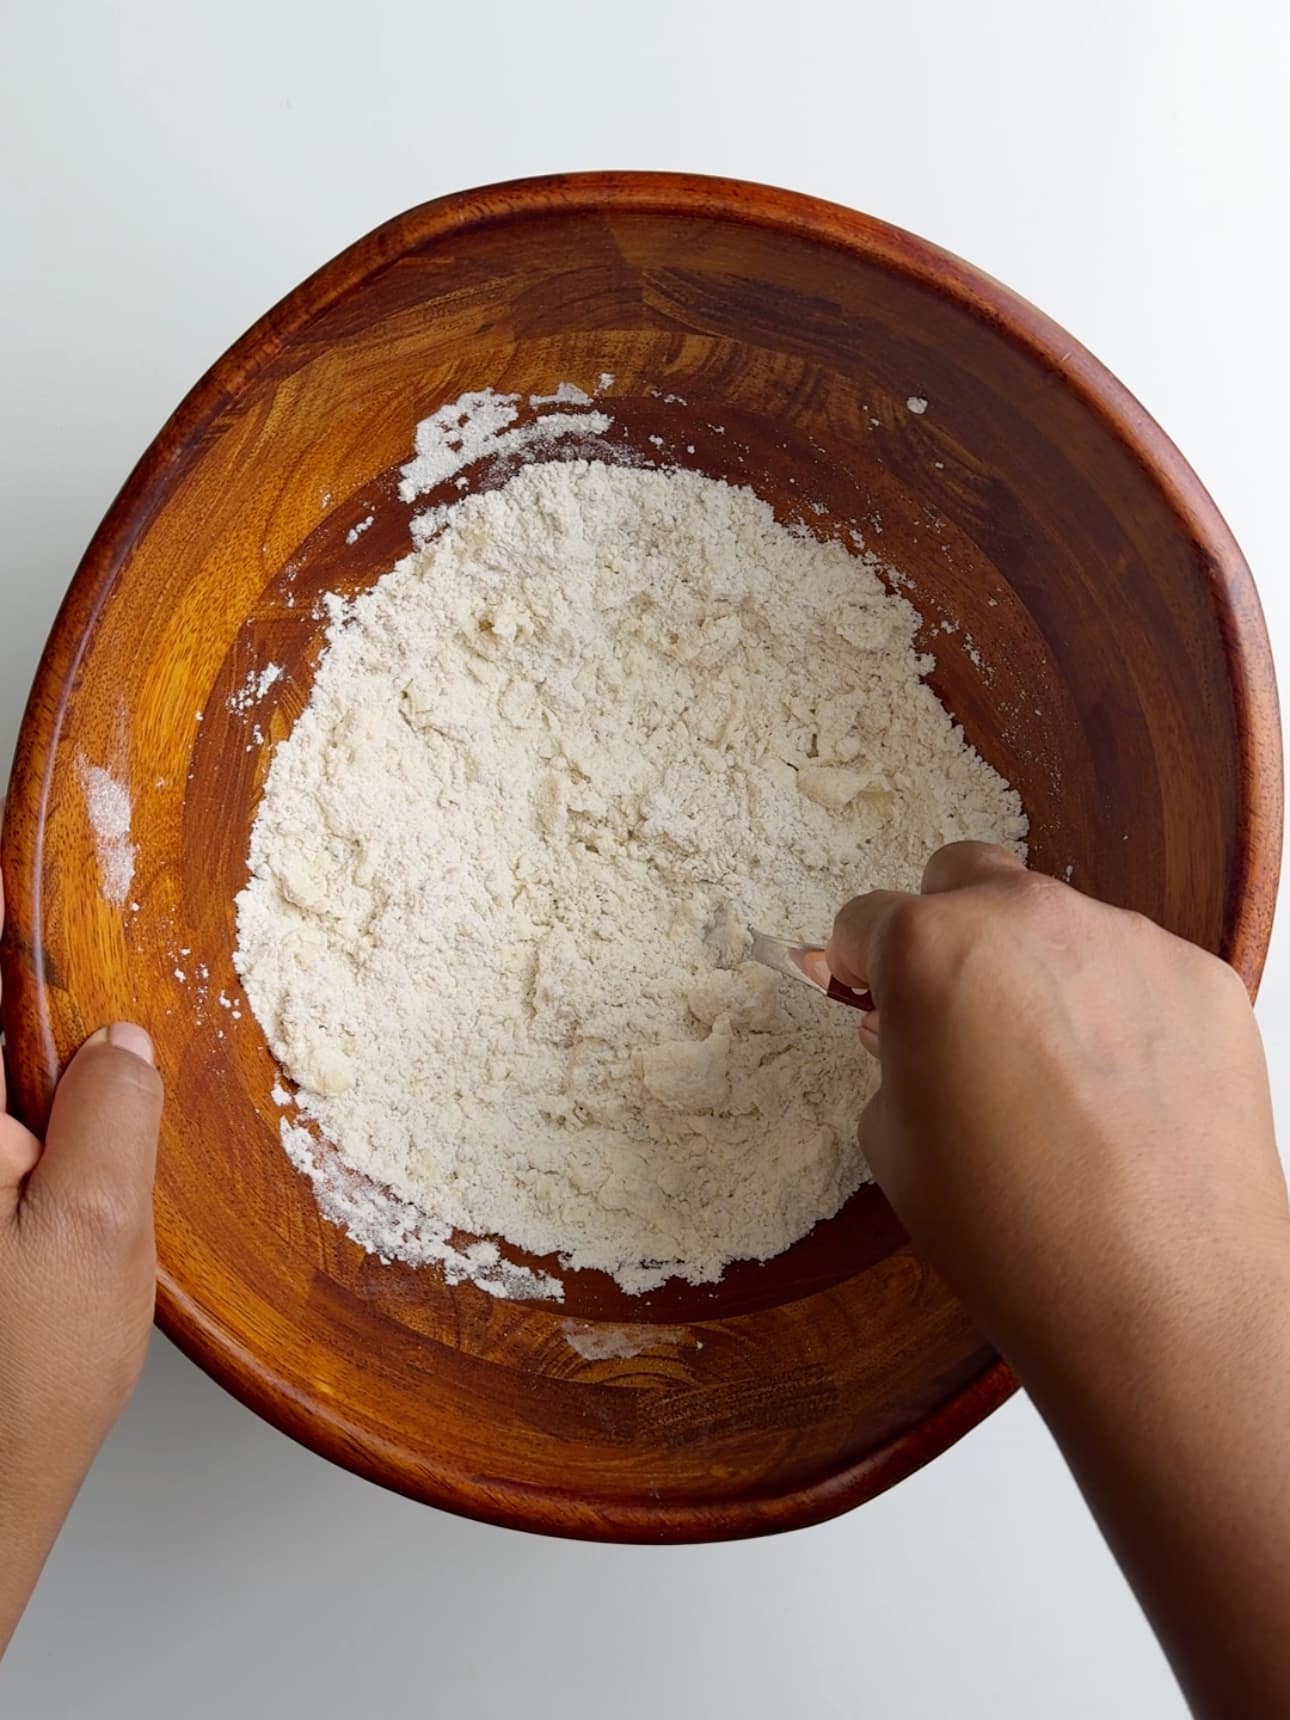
[169,170]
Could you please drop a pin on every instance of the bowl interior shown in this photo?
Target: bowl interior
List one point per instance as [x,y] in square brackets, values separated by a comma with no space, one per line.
[1073,599]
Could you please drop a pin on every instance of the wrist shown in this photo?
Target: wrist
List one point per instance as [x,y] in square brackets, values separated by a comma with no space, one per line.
[34,1502]
[1154,1333]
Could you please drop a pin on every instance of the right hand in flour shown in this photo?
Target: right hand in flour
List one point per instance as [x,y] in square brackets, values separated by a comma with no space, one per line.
[77,1272]
[1074,1124]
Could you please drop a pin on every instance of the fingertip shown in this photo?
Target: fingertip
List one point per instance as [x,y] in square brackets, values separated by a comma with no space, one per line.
[19,1154]
[126,1036]
[841,969]
[99,1061]
[854,952]
[844,947]
[122,1036]
[103,1126]
[814,964]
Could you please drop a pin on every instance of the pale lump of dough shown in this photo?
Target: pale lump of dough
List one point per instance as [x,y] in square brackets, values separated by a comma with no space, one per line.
[502,872]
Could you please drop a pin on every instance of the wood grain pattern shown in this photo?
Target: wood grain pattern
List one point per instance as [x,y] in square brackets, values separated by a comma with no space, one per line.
[1127,691]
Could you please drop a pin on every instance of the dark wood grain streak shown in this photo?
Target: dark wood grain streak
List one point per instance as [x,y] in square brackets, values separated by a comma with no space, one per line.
[1054,535]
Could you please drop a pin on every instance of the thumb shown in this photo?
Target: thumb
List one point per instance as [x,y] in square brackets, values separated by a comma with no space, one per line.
[101,1145]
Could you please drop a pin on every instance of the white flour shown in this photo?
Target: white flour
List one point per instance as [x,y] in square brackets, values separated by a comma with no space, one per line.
[255,686]
[480,424]
[550,767]
[107,805]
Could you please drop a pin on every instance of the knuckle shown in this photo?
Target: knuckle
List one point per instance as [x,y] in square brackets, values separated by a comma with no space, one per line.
[1229,988]
[1137,925]
[844,922]
[1038,887]
[1153,945]
[913,935]
[1048,904]
[104,1221]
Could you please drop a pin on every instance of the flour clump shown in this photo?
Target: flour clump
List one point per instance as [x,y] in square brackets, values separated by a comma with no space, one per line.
[552,765]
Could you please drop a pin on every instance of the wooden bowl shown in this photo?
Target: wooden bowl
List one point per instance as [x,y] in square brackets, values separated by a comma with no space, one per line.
[1111,662]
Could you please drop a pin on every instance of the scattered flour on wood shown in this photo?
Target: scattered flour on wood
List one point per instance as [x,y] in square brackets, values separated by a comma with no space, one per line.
[394,1229]
[255,686]
[602,1341]
[108,807]
[495,930]
[566,394]
[483,424]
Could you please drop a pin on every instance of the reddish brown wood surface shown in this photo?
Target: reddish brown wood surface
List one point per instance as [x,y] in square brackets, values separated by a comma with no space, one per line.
[1129,695]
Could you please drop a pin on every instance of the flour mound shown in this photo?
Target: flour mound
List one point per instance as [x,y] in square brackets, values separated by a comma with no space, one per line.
[551,766]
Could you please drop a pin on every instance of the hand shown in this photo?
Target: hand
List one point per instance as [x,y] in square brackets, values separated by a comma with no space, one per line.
[1073,1105]
[1075,1126]
[77,1273]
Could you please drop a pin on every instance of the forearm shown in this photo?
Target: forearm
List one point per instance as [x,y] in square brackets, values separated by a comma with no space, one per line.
[33,1507]
[1174,1426]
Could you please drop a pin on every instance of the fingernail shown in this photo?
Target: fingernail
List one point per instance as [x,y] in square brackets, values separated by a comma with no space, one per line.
[127,1037]
[98,1037]
[816,969]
